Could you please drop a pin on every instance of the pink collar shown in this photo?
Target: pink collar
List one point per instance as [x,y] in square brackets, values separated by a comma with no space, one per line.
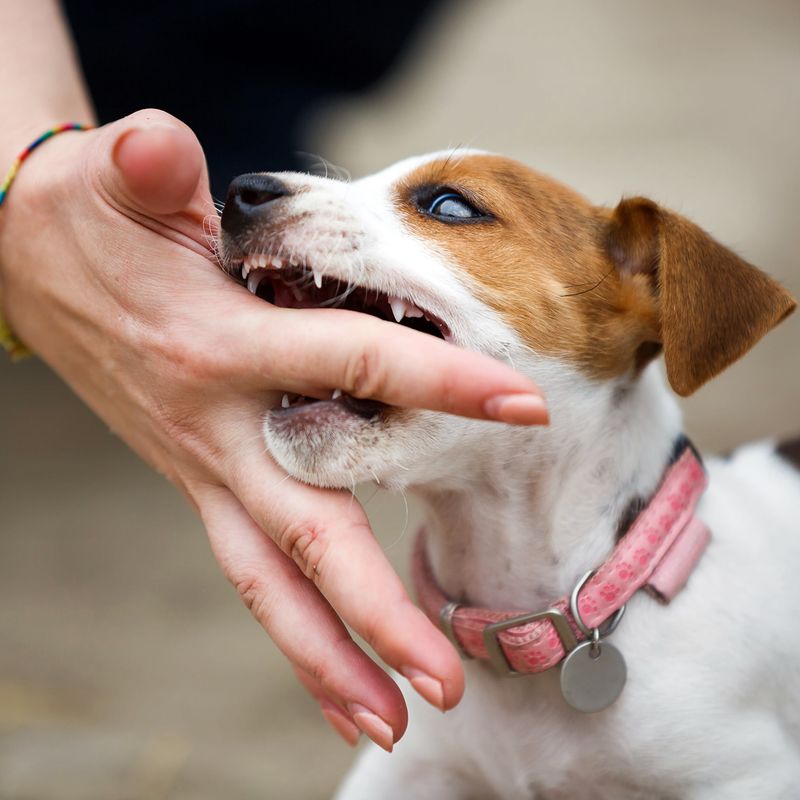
[658,553]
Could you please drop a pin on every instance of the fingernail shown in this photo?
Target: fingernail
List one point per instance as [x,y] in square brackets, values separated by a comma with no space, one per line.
[377,729]
[518,409]
[431,689]
[339,722]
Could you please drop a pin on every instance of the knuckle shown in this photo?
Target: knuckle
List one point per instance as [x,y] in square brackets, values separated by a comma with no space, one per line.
[320,670]
[372,630]
[186,433]
[307,545]
[365,372]
[377,626]
[194,354]
[253,592]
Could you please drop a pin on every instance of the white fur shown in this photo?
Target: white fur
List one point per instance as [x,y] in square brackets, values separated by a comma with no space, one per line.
[711,710]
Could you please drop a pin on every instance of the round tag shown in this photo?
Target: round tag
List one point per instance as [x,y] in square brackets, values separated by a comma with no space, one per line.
[593,681]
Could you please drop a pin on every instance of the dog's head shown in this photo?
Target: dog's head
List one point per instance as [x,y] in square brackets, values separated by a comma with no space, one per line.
[493,256]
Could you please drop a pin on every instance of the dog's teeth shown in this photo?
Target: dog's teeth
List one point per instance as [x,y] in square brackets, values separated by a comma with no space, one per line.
[317,279]
[413,311]
[276,262]
[262,261]
[337,393]
[398,308]
[285,401]
[245,271]
[254,279]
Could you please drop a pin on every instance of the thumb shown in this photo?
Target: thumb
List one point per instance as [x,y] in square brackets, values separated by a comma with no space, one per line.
[158,165]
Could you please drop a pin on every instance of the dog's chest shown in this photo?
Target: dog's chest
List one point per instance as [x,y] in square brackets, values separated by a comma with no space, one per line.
[522,743]
[686,712]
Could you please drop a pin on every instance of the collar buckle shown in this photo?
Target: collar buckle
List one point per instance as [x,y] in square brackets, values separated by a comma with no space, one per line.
[497,658]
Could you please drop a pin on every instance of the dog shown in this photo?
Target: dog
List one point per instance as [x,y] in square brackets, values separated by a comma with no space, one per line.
[700,696]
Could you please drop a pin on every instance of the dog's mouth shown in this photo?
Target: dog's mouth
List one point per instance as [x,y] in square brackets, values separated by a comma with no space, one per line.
[288,284]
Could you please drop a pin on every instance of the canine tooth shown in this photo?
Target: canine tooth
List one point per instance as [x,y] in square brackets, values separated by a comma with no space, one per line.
[285,401]
[245,270]
[336,394]
[398,308]
[317,279]
[255,278]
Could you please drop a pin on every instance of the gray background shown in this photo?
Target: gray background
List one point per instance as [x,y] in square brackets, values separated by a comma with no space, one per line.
[128,668]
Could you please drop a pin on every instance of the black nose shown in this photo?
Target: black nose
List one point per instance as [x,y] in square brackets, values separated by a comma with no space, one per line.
[249,200]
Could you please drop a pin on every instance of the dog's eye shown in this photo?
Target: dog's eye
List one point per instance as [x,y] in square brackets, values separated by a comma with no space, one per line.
[452,206]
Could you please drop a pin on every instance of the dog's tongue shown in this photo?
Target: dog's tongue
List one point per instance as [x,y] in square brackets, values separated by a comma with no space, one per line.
[286,298]
[292,296]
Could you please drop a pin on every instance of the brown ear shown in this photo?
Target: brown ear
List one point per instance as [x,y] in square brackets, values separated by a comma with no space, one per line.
[712,305]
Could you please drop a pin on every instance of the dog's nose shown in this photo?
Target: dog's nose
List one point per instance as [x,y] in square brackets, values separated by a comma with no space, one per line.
[250,199]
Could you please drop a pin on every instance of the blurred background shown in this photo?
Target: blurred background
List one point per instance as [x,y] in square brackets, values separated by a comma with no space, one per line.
[128,668]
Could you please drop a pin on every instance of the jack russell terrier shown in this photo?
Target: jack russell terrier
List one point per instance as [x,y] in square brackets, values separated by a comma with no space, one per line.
[537,539]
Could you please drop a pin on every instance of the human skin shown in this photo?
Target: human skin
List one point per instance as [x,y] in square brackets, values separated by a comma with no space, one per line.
[107,273]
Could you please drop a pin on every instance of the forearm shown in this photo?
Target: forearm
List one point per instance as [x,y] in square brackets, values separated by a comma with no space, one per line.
[40,79]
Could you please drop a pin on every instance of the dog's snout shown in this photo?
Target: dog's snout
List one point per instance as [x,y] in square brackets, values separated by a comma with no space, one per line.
[250,197]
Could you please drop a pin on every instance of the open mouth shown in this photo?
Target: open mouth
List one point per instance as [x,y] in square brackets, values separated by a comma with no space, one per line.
[287,284]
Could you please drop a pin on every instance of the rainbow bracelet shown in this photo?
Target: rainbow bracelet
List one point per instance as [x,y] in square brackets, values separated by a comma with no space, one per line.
[8,341]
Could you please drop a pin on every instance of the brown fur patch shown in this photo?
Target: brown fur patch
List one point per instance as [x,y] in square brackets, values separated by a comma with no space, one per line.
[713,305]
[605,290]
[540,262]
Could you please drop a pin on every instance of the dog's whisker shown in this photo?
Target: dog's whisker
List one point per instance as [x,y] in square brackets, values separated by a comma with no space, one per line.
[353,483]
[279,483]
[317,161]
[373,493]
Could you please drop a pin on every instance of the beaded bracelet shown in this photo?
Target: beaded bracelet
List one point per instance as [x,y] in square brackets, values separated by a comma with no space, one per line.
[8,341]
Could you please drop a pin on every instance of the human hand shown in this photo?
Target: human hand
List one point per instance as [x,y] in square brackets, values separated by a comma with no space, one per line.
[107,273]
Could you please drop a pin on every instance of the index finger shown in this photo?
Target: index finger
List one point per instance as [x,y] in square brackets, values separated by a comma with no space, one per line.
[321,350]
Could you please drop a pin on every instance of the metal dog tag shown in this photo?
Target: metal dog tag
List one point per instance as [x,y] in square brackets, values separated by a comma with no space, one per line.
[593,676]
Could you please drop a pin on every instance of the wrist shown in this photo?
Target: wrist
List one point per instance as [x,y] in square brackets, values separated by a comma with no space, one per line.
[24,204]
[17,134]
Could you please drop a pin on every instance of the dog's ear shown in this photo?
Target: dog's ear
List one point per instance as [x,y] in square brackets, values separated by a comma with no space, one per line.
[711,305]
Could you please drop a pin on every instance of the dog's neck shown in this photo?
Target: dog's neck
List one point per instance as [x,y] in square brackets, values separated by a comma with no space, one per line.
[541,507]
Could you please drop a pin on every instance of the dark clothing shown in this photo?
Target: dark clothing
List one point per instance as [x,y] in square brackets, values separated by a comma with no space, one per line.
[241,73]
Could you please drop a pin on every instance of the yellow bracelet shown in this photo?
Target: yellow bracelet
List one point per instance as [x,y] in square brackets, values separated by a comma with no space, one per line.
[11,344]
[8,341]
